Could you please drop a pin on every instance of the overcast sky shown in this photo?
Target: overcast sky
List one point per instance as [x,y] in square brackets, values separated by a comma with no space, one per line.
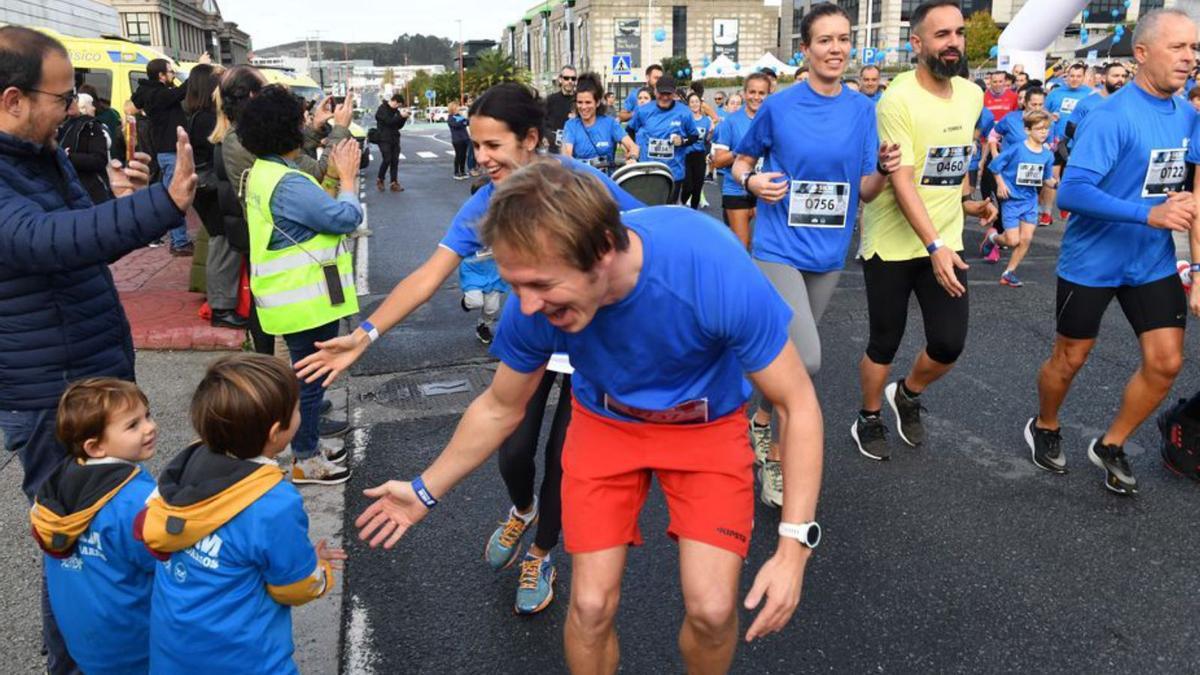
[271,22]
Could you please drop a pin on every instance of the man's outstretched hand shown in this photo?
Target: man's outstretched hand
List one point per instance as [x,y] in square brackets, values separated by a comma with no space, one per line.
[389,517]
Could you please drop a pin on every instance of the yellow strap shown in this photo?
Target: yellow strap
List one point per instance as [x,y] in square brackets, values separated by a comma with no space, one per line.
[47,523]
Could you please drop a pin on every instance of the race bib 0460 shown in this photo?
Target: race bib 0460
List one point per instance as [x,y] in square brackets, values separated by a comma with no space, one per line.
[818,204]
[1165,173]
[661,148]
[1030,174]
[946,166]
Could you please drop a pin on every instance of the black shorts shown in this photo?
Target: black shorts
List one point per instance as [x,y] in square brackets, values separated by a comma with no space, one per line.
[889,285]
[1061,153]
[1158,304]
[738,202]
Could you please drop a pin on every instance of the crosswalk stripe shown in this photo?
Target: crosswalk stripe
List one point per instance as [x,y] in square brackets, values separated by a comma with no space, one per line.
[424,154]
[402,156]
[450,152]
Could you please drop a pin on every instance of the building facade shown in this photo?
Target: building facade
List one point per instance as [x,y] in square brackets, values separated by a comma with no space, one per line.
[183,29]
[884,24]
[80,18]
[588,33]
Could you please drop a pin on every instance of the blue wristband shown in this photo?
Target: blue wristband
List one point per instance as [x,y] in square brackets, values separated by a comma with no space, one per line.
[370,330]
[934,245]
[418,486]
[1196,267]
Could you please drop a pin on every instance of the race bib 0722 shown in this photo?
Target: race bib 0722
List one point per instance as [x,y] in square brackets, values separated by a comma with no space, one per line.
[1165,172]
[1030,174]
[818,204]
[946,166]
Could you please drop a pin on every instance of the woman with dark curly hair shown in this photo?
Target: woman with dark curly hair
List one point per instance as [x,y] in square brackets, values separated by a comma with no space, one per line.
[301,270]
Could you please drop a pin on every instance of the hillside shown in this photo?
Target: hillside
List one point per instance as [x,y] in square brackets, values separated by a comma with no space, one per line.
[426,49]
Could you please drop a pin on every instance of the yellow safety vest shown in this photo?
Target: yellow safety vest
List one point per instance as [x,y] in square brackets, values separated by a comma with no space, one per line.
[288,284]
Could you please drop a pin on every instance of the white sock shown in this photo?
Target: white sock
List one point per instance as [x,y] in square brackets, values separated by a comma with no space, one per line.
[992,237]
[527,517]
[530,554]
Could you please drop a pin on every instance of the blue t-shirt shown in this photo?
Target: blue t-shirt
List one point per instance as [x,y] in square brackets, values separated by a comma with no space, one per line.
[874,98]
[728,134]
[631,103]
[599,140]
[811,229]
[722,113]
[1062,101]
[1023,171]
[463,237]
[101,593]
[211,611]
[1136,143]
[704,126]
[677,346]
[655,126]
[480,273]
[1081,112]
[985,123]
[1011,128]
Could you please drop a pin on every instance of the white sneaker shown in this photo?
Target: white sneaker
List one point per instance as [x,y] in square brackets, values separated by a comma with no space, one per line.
[771,475]
[318,470]
[760,437]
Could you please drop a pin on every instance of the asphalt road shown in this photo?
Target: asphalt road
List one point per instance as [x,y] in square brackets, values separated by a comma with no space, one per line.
[958,556]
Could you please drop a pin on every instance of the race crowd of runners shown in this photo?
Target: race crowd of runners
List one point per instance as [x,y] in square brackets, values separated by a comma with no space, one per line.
[166,575]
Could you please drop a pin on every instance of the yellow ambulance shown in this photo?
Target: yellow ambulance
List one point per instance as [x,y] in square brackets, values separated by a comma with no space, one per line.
[112,65]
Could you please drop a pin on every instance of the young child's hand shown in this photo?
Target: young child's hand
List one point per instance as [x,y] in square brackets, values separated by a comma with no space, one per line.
[1002,191]
[333,555]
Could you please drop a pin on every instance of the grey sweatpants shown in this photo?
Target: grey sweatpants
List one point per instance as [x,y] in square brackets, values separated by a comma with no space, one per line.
[808,295]
[224,269]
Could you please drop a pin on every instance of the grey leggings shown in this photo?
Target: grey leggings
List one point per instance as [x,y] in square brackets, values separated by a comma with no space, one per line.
[808,294]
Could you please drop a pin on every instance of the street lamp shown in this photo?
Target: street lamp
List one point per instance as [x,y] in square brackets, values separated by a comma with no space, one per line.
[460,62]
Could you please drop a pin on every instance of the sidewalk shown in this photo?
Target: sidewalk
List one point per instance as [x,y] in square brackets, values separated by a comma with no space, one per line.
[163,314]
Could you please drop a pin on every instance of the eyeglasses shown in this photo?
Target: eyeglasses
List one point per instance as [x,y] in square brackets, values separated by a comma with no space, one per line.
[66,98]
[567,78]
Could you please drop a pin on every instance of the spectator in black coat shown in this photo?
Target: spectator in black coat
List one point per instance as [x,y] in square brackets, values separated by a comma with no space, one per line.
[389,119]
[86,142]
[162,103]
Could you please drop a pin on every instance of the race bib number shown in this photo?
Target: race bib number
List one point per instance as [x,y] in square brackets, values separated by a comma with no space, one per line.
[1068,106]
[818,204]
[688,412]
[946,166]
[661,148]
[1166,172]
[1030,174]
[558,137]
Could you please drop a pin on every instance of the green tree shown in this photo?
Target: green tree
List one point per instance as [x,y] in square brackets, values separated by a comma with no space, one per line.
[492,68]
[389,76]
[673,65]
[982,34]
[445,85]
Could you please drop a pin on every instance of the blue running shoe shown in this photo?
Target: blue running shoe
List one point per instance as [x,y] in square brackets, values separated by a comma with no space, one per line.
[535,591]
[1010,279]
[986,246]
[505,543]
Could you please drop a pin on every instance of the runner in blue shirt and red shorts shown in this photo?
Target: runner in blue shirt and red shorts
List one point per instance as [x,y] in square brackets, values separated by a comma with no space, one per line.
[667,403]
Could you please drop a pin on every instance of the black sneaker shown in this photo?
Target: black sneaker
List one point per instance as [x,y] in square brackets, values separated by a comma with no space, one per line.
[333,428]
[462,302]
[336,455]
[1118,474]
[326,406]
[483,333]
[908,414]
[870,435]
[1045,447]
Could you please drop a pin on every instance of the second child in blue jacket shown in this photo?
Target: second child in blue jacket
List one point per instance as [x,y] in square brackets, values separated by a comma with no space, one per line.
[460,138]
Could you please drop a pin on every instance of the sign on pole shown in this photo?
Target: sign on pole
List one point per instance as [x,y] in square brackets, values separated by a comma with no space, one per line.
[429,94]
[621,64]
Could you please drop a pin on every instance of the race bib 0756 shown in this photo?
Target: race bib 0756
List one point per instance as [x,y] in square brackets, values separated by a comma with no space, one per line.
[946,166]
[818,204]
[1165,172]
[1030,174]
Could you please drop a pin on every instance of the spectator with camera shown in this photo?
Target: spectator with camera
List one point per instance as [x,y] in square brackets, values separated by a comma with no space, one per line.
[389,119]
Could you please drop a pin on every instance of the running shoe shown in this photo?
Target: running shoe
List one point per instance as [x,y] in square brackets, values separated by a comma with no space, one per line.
[1044,219]
[1010,279]
[760,436]
[1118,475]
[870,435]
[318,470]
[1045,447]
[908,414]
[535,590]
[986,246]
[1063,215]
[335,455]
[326,406]
[328,428]
[505,543]
[771,474]
[993,257]
[483,333]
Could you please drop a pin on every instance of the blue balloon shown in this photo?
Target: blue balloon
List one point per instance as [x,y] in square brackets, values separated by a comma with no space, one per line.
[661,35]
[1114,13]
[993,51]
[1086,14]
[687,71]
[908,47]
[1083,38]
[1127,4]
[792,61]
[737,66]
[718,71]
[679,73]
[853,52]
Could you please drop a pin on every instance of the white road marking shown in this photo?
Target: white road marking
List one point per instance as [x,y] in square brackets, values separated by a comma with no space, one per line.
[360,658]
[450,152]
[402,156]
[362,260]
[425,154]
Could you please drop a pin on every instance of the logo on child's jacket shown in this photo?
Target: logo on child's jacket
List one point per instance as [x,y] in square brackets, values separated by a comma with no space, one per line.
[90,545]
[207,551]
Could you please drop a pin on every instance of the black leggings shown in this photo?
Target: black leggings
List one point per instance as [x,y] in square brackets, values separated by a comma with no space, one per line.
[389,159]
[460,157]
[517,455]
[693,179]
[889,283]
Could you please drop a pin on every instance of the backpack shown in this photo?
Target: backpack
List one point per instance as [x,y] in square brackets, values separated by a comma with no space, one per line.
[233,226]
[1180,440]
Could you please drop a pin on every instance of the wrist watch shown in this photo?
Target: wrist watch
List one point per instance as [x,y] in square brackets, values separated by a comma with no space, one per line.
[808,534]
[746,179]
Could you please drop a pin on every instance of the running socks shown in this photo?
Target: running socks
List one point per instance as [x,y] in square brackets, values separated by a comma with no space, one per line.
[868,414]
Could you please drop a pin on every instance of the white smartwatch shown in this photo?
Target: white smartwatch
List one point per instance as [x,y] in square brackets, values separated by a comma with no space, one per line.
[808,534]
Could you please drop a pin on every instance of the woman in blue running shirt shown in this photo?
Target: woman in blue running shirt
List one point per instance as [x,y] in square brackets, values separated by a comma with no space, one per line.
[592,136]
[823,155]
[695,162]
[506,123]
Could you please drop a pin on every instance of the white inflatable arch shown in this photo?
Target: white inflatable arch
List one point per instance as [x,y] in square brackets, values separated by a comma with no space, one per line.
[1032,31]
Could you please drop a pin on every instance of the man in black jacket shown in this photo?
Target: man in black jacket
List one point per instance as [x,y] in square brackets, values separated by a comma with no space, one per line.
[60,317]
[162,103]
[559,107]
[390,117]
